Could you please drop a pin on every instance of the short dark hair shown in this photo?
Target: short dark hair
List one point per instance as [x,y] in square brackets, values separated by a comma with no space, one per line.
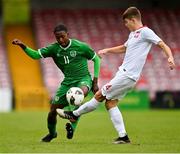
[60,27]
[132,12]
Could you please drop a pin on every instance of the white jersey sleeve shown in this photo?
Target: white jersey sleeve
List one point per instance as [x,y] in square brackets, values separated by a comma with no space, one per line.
[150,36]
[125,44]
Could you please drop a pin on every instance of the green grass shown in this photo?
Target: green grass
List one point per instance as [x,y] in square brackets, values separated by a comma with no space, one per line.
[150,131]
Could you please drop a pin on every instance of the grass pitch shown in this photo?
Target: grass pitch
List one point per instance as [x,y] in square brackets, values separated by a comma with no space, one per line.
[149,130]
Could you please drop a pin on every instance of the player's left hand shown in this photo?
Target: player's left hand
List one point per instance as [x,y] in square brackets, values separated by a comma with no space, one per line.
[95,87]
[171,63]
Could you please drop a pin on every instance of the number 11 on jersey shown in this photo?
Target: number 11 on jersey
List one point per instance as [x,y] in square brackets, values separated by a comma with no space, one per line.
[66,59]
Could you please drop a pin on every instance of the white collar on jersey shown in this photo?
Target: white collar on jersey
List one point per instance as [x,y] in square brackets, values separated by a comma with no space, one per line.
[140,28]
[67,46]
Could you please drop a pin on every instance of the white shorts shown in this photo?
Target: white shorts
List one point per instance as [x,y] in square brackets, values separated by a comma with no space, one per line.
[118,87]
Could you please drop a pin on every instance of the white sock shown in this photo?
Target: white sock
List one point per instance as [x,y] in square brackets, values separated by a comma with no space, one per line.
[87,107]
[117,120]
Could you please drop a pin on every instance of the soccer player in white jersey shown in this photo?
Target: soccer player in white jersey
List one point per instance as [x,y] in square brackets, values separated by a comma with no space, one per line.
[136,49]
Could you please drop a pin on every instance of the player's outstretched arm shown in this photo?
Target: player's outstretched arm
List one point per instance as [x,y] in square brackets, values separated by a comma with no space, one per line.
[30,52]
[117,49]
[168,53]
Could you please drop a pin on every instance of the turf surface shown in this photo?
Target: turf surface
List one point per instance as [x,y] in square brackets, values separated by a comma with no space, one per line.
[149,130]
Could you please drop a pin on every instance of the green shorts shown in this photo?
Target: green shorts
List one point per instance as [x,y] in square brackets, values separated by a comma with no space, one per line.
[60,97]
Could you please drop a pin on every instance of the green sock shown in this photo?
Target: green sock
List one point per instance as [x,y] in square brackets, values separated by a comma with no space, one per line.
[52,128]
[73,124]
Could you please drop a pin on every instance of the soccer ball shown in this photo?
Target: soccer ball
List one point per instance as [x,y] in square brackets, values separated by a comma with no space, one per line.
[75,96]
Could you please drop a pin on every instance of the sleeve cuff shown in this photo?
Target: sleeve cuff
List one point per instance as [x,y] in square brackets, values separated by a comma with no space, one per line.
[39,51]
[93,56]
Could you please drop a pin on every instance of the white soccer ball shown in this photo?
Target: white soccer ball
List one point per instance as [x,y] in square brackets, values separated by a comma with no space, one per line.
[75,96]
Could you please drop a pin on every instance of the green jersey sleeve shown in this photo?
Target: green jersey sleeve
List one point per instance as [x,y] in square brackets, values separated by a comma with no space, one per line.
[88,52]
[32,53]
[46,51]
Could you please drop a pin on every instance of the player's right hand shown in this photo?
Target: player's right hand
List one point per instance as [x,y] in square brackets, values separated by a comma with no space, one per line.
[16,42]
[102,52]
[171,63]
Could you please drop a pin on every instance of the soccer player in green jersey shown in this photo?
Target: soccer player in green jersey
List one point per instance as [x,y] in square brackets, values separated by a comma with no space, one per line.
[71,56]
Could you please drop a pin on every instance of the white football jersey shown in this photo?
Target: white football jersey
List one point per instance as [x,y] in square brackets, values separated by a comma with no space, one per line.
[138,46]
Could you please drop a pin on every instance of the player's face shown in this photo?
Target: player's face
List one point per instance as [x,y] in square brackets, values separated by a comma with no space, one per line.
[129,23]
[62,38]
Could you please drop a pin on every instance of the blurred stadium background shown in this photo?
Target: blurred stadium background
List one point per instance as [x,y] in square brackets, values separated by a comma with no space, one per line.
[29,84]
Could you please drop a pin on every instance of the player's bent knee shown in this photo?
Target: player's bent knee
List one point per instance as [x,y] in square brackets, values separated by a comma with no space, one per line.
[55,106]
[99,97]
[85,90]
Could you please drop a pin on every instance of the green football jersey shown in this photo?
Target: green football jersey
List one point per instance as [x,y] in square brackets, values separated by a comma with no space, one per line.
[71,60]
